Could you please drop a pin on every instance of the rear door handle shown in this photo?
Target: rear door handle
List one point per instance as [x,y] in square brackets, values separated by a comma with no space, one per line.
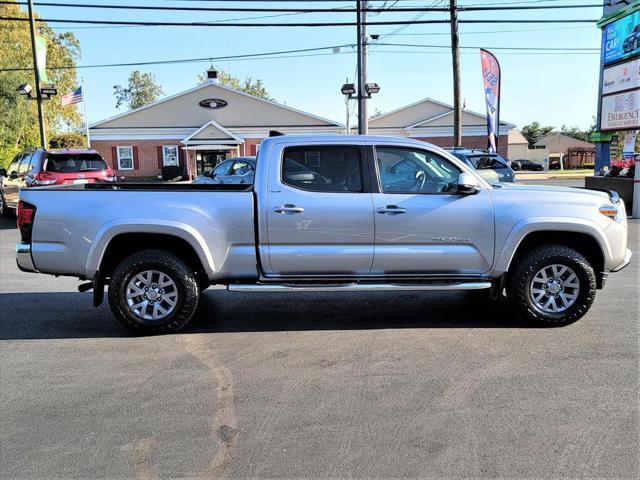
[288,209]
[391,210]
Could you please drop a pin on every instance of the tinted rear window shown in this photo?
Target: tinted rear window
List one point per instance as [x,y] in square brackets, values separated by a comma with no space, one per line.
[70,163]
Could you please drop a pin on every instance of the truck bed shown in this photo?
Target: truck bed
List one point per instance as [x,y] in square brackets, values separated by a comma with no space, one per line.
[75,223]
[143,186]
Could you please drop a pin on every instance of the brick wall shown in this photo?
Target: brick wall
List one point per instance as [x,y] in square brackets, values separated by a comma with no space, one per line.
[149,159]
[469,142]
[250,146]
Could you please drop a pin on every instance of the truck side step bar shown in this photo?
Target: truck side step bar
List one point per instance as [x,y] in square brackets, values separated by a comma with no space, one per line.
[356,287]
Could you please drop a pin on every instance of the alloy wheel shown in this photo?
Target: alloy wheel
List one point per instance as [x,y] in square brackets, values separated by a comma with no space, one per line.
[554,288]
[152,295]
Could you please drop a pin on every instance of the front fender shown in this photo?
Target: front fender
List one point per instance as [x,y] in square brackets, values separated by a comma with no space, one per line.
[548,224]
[111,229]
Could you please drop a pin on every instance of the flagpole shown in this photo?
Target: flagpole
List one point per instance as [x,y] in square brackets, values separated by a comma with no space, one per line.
[86,120]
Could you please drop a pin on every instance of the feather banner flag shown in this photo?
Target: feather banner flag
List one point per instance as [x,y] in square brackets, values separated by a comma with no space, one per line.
[491,79]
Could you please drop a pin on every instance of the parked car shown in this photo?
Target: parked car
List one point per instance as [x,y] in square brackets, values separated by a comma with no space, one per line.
[33,168]
[632,41]
[490,166]
[325,213]
[526,165]
[237,170]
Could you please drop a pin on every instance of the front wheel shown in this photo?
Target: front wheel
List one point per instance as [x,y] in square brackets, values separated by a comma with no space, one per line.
[153,291]
[552,285]
[4,210]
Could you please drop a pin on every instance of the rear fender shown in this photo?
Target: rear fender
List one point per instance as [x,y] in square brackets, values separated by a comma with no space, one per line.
[133,225]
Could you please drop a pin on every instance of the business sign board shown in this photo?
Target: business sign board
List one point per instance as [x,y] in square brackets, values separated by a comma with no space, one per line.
[621,39]
[620,111]
[624,76]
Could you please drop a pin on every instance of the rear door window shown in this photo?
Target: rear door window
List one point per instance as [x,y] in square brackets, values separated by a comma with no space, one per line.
[73,163]
[488,162]
[13,166]
[323,168]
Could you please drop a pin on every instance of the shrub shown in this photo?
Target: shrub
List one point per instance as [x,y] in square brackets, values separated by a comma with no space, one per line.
[172,173]
[67,140]
[622,169]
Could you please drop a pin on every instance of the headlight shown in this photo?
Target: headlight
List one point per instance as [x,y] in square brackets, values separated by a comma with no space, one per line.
[614,212]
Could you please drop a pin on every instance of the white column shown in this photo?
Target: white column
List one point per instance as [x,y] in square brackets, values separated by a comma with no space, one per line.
[636,193]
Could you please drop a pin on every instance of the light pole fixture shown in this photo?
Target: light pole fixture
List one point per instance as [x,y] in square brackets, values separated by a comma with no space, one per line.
[350,92]
[24,89]
[371,88]
[348,89]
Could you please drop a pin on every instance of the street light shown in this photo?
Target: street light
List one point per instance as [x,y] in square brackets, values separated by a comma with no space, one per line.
[24,89]
[350,93]
[348,89]
[371,88]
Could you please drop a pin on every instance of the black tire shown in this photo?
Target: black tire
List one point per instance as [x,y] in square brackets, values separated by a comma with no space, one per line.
[185,285]
[4,210]
[522,274]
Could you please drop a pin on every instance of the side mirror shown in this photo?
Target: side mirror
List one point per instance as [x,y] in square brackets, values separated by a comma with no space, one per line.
[468,184]
[208,173]
[3,172]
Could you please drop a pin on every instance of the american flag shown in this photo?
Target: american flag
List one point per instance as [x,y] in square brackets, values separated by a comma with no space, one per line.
[72,98]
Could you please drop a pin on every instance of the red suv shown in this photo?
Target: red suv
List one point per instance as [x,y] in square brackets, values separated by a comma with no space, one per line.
[33,168]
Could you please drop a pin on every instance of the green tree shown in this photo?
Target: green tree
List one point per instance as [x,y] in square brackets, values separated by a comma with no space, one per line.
[248,85]
[18,116]
[141,89]
[575,132]
[534,132]
[68,140]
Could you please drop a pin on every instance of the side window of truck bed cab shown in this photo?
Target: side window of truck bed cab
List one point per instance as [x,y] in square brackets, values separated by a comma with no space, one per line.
[323,168]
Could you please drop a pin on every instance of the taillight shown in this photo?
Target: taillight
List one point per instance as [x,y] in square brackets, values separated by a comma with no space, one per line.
[110,176]
[25,213]
[44,178]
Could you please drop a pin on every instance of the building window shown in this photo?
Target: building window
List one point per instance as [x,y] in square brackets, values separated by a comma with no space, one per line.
[125,158]
[170,156]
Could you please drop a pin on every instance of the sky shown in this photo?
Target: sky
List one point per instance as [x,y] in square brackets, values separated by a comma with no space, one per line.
[553,88]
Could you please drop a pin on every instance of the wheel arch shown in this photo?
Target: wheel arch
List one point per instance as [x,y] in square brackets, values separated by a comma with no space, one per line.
[116,241]
[583,238]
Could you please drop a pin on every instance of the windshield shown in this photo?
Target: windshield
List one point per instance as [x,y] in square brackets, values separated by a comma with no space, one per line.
[75,162]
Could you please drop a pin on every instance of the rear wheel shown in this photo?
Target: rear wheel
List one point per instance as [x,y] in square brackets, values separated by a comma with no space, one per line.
[552,285]
[153,291]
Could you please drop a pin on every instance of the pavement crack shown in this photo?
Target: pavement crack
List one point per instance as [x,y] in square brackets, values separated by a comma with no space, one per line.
[225,424]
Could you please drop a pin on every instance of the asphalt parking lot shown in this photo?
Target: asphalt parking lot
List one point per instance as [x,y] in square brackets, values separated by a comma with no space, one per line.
[316,385]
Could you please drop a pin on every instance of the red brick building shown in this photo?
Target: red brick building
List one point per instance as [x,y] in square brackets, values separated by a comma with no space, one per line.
[432,121]
[195,130]
[198,128]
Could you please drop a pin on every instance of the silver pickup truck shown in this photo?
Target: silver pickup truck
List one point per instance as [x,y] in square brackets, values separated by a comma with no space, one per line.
[327,213]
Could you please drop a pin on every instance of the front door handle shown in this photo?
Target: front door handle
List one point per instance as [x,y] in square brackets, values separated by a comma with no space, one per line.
[391,210]
[288,209]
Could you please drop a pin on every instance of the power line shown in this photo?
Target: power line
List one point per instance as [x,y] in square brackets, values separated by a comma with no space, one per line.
[280,54]
[280,25]
[299,10]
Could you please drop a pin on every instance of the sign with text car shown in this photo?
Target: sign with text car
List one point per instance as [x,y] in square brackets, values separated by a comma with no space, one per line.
[621,39]
[620,111]
[624,76]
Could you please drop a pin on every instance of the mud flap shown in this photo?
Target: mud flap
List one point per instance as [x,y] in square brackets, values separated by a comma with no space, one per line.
[98,289]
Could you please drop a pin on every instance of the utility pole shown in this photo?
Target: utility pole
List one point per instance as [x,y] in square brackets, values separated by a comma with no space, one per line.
[347,101]
[365,66]
[360,97]
[32,27]
[457,92]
